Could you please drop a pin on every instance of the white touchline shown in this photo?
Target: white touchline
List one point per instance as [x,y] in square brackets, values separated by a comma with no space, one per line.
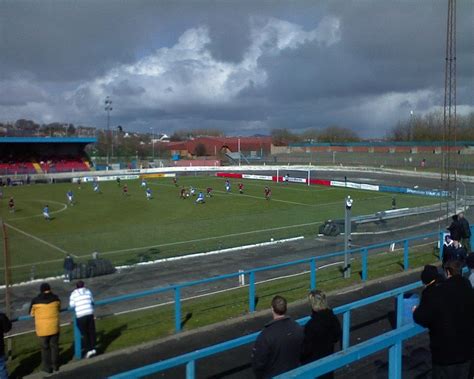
[211,238]
[38,239]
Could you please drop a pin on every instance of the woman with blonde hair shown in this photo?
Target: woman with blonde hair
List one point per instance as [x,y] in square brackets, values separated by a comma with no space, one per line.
[321,332]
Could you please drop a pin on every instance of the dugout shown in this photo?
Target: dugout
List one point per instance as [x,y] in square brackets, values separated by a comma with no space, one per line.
[37,156]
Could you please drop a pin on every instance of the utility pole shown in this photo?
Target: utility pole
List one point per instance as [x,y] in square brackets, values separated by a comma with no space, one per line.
[449,114]
[347,236]
[7,278]
[108,108]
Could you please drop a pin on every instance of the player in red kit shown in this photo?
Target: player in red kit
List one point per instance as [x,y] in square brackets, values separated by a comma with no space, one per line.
[11,205]
[268,193]
[241,188]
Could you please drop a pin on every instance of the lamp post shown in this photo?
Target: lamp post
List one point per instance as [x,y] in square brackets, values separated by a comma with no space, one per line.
[347,236]
[410,137]
[240,154]
[108,108]
[153,142]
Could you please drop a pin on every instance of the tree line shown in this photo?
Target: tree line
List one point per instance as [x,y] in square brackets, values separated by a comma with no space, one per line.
[430,127]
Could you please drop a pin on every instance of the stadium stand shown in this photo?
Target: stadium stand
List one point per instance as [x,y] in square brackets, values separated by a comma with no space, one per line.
[36,155]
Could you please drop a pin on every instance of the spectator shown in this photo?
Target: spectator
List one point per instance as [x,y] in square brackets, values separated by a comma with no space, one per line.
[82,302]
[321,332]
[454,251]
[68,268]
[45,310]
[278,347]
[430,277]
[5,327]
[470,266]
[447,310]
[466,232]
[455,229]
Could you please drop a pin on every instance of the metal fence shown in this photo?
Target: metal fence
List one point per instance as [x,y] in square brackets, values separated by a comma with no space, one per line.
[251,275]
[190,359]
[392,341]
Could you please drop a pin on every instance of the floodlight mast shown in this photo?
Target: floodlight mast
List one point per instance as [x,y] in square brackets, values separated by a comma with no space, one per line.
[347,236]
[108,108]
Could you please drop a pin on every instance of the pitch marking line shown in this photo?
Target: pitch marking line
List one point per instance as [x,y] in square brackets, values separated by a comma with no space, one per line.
[38,239]
[279,200]
[210,238]
[64,207]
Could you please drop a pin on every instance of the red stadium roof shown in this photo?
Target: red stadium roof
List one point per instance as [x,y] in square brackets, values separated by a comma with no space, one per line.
[216,144]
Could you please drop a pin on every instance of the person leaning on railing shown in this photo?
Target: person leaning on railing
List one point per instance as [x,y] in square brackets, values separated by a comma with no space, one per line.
[321,332]
[278,347]
[447,310]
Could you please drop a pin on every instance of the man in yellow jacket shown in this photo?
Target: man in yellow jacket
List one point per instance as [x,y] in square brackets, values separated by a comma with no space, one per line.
[45,310]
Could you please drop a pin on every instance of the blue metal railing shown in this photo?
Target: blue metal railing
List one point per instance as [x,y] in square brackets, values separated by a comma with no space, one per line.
[189,359]
[177,288]
[392,341]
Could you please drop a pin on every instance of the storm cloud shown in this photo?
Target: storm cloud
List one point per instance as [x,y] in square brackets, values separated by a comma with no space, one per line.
[241,66]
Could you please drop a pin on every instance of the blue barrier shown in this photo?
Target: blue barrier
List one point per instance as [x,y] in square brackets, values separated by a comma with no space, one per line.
[176,288]
[391,340]
[189,359]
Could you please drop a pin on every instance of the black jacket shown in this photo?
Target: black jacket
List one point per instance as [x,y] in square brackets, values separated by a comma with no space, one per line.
[5,327]
[447,310]
[455,230]
[68,264]
[277,348]
[321,332]
[454,253]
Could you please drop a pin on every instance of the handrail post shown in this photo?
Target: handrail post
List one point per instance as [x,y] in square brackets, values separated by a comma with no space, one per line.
[346,329]
[395,361]
[365,253]
[405,255]
[177,309]
[441,246]
[77,337]
[312,265]
[252,291]
[191,369]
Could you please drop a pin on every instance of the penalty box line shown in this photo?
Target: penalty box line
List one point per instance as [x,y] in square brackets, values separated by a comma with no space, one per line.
[39,239]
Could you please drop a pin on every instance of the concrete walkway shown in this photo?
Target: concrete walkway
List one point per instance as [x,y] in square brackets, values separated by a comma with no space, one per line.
[367,322]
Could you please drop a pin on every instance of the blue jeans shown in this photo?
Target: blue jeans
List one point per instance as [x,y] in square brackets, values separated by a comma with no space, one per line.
[3,368]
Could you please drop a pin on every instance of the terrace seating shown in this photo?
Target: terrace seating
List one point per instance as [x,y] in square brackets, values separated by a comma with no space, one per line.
[17,168]
[64,165]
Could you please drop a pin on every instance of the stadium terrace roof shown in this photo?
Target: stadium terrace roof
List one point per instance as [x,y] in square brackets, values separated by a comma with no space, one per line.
[47,140]
[380,143]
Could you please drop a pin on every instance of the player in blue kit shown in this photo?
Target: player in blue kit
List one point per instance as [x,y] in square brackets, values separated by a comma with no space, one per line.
[143,183]
[148,194]
[46,215]
[95,186]
[200,199]
[227,186]
[70,197]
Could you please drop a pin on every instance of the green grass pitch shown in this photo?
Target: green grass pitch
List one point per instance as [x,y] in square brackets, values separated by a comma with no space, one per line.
[128,229]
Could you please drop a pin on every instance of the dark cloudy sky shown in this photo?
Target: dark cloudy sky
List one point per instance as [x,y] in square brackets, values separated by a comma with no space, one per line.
[244,66]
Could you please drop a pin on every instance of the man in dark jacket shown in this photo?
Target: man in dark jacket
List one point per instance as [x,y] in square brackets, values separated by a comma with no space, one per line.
[321,332]
[68,268]
[466,232]
[454,251]
[5,327]
[278,347]
[448,312]
[455,229]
